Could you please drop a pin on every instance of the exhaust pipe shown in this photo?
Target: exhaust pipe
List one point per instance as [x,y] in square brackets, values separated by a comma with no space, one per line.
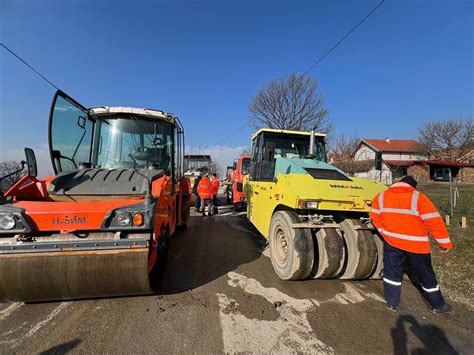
[311,143]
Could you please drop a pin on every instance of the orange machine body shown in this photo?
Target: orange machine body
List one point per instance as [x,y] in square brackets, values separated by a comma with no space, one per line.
[237,177]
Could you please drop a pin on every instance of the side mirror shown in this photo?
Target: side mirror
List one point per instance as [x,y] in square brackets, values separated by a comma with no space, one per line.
[31,162]
[234,166]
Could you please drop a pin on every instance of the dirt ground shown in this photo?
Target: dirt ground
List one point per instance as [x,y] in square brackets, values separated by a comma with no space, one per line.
[220,294]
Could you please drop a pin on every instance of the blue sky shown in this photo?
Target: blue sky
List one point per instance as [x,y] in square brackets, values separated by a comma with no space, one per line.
[412,61]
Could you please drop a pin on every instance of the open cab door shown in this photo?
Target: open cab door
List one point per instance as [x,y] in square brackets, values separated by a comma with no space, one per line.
[70,133]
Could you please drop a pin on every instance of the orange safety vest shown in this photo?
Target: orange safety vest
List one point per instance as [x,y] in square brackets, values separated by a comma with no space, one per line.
[204,189]
[215,186]
[405,218]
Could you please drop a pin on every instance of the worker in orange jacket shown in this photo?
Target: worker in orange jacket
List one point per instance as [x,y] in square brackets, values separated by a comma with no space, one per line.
[405,218]
[205,193]
[215,183]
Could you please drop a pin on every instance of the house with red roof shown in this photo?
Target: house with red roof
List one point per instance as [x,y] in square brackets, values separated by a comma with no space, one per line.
[386,160]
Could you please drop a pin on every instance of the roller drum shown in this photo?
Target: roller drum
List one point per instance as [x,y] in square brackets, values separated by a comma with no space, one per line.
[64,275]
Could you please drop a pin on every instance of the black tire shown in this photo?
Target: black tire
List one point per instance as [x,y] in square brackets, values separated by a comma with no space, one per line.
[329,253]
[291,249]
[378,272]
[361,252]
[237,207]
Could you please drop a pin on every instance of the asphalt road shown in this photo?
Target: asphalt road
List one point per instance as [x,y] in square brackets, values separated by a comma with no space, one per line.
[220,294]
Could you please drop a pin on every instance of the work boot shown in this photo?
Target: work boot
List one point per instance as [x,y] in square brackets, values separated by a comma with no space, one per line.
[445,309]
[392,308]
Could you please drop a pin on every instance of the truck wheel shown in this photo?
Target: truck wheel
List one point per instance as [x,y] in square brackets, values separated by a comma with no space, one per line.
[291,249]
[379,267]
[329,253]
[361,252]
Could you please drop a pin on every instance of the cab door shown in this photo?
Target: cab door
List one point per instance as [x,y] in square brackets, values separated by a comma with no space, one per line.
[260,186]
[70,133]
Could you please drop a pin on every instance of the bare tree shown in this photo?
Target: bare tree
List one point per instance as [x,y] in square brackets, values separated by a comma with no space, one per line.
[452,139]
[217,169]
[292,103]
[342,151]
[246,151]
[8,167]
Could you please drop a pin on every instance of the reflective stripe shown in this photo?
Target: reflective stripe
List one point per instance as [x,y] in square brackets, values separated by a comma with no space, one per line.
[380,230]
[414,238]
[399,210]
[444,240]
[429,215]
[414,206]
[395,283]
[414,202]
[374,210]
[430,289]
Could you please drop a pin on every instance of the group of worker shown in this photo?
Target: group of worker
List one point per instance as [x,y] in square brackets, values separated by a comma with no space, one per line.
[205,190]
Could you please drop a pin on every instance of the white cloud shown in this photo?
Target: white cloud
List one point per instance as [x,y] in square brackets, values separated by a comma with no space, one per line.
[221,154]
[42,158]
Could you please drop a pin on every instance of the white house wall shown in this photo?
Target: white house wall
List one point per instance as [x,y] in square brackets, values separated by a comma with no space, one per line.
[384,175]
[364,153]
[402,156]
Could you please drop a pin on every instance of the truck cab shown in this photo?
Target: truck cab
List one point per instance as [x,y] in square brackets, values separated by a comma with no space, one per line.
[235,182]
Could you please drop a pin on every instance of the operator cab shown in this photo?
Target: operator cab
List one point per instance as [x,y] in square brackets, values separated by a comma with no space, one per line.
[197,163]
[112,137]
[270,144]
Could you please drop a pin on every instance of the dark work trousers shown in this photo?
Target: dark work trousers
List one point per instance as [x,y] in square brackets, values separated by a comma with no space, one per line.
[198,202]
[208,203]
[214,204]
[393,265]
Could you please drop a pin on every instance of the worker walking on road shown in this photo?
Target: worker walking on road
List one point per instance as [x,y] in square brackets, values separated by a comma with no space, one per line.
[215,183]
[205,193]
[404,217]
[197,206]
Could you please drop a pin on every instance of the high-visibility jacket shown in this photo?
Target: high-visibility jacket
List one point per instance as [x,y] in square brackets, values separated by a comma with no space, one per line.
[205,189]
[405,218]
[215,186]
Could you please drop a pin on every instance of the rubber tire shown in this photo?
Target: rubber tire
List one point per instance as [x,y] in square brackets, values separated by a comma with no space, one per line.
[361,252]
[329,253]
[378,272]
[237,207]
[300,255]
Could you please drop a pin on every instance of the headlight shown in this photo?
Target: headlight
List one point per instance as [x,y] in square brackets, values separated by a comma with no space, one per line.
[7,221]
[123,219]
[308,204]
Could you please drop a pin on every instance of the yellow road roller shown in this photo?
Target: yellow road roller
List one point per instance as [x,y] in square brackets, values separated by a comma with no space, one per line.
[314,216]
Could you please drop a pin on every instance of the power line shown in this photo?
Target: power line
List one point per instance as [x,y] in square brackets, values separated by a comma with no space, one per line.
[342,39]
[29,66]
[233,133]
[317,61]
